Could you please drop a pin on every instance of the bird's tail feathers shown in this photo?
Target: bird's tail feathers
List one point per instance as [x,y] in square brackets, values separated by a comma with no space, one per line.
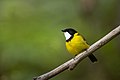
[92,58]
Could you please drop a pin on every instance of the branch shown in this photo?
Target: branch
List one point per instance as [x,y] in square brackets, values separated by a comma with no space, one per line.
[71,64]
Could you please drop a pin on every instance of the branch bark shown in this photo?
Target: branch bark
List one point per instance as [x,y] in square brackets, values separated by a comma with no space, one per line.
[71,64]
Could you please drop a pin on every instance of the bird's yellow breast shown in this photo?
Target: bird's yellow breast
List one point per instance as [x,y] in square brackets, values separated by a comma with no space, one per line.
[77,44]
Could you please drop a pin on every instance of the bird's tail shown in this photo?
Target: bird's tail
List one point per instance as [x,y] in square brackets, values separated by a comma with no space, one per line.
[92,58]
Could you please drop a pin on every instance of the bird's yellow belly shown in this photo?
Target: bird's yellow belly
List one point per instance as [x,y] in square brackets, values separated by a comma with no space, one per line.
[76,45]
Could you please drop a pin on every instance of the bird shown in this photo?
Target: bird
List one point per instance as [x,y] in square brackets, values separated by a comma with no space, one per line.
[76,43]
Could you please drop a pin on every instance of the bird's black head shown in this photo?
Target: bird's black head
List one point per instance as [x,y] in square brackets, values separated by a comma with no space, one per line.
[70,31]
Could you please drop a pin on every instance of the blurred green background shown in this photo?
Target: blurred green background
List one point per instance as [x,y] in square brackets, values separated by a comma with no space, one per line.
[31,41]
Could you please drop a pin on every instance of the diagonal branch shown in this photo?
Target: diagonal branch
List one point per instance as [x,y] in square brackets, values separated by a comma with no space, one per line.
[71,64]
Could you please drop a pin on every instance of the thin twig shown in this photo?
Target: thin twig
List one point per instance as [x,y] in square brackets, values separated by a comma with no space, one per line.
[71,64]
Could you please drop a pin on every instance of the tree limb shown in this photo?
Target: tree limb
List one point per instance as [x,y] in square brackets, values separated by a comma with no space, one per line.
[71,64]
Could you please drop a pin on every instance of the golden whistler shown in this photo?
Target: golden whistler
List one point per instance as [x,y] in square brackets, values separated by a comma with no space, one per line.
[75,43]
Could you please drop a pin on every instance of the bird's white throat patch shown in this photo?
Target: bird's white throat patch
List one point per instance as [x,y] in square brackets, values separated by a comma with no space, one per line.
[67,35]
